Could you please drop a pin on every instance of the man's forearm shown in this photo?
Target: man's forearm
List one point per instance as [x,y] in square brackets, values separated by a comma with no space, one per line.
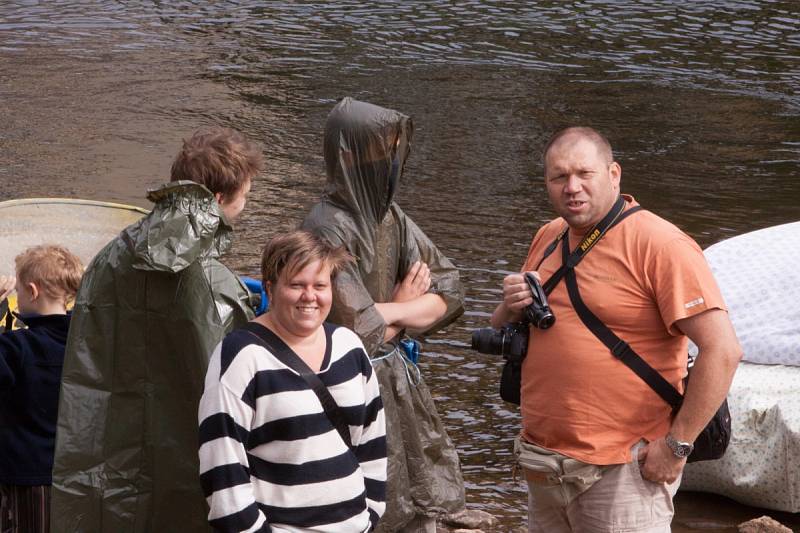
[711,378]
[719,354]
[418,313]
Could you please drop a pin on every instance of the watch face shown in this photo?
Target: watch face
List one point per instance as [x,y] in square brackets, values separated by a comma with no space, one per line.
[680,449]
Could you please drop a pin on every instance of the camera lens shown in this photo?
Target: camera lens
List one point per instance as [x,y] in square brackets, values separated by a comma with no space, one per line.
[487,340]
[546,320]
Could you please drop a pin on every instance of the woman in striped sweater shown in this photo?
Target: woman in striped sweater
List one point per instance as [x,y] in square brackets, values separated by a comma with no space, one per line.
[270,457]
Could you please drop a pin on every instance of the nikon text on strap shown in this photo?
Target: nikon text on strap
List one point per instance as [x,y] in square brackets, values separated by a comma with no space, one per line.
[287,356]
[614,217]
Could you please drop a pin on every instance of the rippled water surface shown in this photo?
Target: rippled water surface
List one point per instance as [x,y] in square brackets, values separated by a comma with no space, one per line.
[700,100]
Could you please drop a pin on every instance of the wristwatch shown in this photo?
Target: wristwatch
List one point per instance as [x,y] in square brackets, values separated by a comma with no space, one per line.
[679,449]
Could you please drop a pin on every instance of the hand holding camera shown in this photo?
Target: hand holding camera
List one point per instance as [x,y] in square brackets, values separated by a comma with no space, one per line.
[516,294]
[528,302]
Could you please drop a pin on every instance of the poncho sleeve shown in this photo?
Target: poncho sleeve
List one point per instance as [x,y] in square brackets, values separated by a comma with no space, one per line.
[445,279]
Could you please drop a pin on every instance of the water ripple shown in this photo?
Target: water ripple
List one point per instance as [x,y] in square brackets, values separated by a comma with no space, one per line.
[752,47]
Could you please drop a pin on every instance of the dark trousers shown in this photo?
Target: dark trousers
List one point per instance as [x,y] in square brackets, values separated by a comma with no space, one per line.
[24,509]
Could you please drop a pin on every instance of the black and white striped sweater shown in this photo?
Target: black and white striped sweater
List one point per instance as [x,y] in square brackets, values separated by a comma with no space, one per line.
[271,460]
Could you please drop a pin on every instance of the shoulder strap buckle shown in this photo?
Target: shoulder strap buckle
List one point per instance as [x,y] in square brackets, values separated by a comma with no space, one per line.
[621,349]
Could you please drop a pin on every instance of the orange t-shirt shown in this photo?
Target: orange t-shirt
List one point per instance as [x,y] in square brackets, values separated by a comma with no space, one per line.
[642,276]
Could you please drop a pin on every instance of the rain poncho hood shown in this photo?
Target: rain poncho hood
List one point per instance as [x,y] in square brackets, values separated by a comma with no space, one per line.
[365,151]
[366,147]
[151,307]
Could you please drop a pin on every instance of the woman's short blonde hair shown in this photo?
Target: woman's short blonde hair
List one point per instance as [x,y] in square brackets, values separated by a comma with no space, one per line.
[287,254]
[54,270]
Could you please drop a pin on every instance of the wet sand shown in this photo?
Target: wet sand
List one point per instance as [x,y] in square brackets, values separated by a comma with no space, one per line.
[106,127]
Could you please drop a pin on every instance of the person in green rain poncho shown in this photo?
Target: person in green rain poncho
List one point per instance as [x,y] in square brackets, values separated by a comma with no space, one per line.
[401,283]
[152,305]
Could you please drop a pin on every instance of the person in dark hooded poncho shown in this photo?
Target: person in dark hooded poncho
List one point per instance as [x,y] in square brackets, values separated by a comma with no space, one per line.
[152,306]
[401,282]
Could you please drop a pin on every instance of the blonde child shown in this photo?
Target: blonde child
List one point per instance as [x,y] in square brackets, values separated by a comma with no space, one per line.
[47,278]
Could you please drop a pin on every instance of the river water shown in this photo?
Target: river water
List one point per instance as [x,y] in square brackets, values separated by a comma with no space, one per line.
[700,99]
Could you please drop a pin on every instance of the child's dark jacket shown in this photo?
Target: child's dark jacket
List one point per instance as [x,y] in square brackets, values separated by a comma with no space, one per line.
[30,377]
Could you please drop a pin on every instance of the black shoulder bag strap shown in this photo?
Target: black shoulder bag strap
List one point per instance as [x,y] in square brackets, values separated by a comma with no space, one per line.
[619,348]
[287,356]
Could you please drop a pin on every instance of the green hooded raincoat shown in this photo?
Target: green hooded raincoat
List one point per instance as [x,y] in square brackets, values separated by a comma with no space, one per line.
[152,305]
[365,150]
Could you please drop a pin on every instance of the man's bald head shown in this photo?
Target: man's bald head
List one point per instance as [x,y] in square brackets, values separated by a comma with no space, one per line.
[576,133]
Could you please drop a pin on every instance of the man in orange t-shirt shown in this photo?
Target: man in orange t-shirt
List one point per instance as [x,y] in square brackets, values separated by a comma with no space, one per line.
[581,406]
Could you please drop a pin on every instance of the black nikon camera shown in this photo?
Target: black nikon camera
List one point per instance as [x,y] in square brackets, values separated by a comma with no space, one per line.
[511,341]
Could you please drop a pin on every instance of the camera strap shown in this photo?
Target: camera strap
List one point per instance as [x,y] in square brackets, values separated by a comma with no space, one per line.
[612,218]
[619,348]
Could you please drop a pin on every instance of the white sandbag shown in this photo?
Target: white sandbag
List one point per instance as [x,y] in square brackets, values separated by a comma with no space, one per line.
[762,464]
[759,276]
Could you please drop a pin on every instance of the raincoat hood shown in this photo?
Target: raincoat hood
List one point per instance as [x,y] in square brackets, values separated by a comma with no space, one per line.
[186,224]
[366,147]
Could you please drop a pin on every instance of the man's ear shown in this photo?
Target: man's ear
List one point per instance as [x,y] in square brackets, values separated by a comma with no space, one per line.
[616,173]
[34,290]
[220,198]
